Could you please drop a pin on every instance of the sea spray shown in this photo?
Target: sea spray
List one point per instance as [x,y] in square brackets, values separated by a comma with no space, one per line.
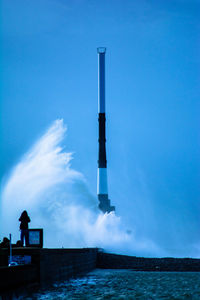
[58,200]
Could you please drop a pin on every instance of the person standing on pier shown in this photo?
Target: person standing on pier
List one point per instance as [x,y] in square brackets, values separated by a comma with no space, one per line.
[24,219]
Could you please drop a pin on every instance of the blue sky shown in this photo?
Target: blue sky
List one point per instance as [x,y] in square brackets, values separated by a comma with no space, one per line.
[49,71]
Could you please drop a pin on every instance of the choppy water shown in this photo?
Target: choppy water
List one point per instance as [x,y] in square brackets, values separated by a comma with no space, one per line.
[125,284]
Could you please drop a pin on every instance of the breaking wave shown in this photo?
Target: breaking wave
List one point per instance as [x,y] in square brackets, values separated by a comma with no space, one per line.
[58,200]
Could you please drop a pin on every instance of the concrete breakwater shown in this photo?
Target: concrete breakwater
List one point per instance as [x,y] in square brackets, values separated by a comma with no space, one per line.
[47,266]
[50,265]
[167,264]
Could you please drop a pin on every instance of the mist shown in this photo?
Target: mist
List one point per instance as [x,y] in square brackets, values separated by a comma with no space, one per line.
[58,199]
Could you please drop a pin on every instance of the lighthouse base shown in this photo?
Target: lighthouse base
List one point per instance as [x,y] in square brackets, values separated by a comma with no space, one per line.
[104,204]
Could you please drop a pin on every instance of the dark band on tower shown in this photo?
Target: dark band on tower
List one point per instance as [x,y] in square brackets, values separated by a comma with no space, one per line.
[102,185]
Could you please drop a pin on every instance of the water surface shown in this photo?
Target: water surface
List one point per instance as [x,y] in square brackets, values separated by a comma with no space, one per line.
[125,284]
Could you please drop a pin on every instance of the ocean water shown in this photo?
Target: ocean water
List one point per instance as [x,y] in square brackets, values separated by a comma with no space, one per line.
[124,284]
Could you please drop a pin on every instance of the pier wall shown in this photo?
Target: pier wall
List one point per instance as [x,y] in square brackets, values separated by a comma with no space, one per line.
[51,265]
[167,264]
[61,264]
[14,277]
[47,266]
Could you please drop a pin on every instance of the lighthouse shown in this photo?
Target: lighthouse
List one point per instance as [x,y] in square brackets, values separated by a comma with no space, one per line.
[102,183]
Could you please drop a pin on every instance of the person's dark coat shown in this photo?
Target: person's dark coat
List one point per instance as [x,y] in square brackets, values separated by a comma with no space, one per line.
[24,219]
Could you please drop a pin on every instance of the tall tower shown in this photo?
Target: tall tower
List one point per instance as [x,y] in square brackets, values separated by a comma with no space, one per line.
[102,184]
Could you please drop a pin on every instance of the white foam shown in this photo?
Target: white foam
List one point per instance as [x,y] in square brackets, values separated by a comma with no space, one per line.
[57,199]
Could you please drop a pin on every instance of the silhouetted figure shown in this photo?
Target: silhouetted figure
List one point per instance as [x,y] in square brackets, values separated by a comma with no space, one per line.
[19,244]
[24,219]
[5,243]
